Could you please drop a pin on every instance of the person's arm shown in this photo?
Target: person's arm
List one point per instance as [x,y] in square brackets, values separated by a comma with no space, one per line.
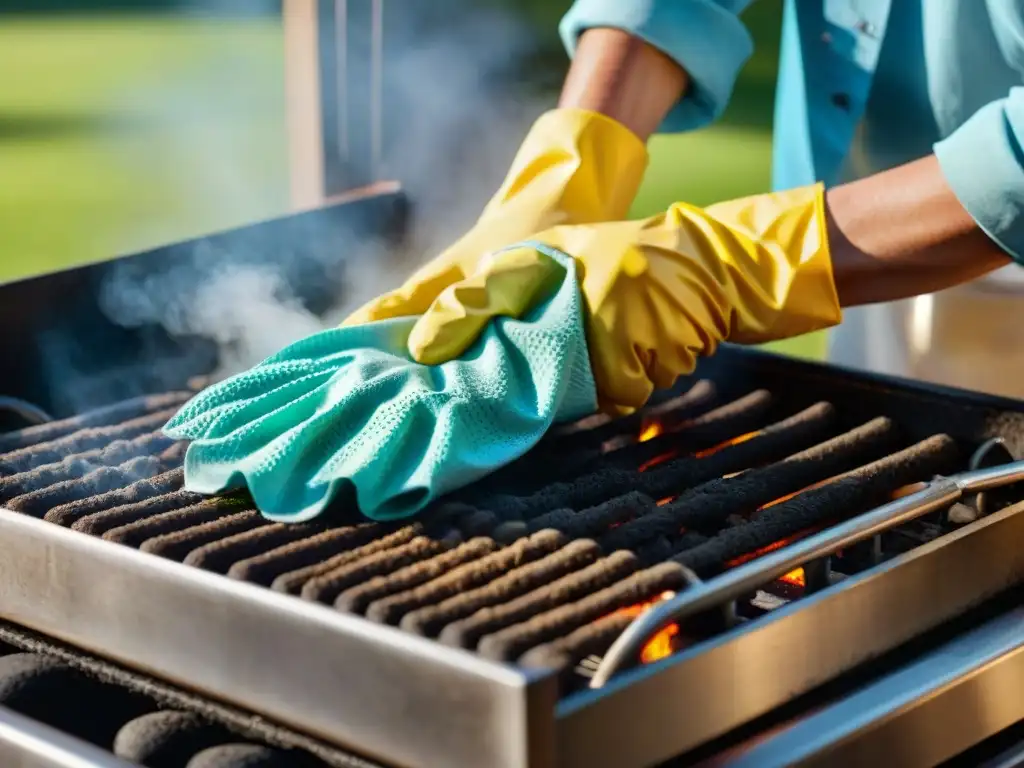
[624,78]
[902,233]
[936,222]
[654,65]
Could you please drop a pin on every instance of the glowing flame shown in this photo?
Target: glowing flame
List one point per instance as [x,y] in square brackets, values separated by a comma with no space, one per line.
[662,644]
[795,578]
[650,431]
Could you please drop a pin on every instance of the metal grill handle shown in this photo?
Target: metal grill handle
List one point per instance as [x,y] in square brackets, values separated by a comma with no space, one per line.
[370,165]
[32,414]
[741,580]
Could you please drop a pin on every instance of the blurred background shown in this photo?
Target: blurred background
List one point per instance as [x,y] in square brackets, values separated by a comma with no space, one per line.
[127,125]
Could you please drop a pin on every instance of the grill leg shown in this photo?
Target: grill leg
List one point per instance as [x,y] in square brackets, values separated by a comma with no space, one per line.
[334,71]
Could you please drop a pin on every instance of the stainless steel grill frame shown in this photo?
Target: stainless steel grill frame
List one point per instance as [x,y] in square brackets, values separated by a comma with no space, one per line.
[409,701]
[968,685]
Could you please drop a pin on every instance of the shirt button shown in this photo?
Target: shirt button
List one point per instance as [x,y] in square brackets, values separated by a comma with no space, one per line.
[867,28]
[841,100]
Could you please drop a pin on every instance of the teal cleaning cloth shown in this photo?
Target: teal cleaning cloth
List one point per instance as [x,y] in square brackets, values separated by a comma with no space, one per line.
[349,405]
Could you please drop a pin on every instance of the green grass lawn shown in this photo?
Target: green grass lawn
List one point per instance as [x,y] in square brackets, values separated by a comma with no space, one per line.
[122,133]
[119,134]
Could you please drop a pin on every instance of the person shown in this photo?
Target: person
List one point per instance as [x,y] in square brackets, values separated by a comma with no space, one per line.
[898,167]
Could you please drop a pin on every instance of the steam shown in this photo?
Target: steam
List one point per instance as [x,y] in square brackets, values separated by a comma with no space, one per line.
[452,124]
[249,311]
[460,121]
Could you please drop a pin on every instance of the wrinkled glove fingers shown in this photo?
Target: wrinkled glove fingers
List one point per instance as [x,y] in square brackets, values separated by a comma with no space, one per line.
[414,297]
[507,284]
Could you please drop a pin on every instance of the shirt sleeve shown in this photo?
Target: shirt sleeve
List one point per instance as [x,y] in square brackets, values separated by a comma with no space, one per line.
[983,162]
[706,38]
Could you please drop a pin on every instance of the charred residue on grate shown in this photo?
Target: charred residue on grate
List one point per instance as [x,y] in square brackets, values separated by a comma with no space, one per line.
[533,565]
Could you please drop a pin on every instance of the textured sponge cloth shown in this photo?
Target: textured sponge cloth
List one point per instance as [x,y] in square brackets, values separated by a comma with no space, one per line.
[350,406]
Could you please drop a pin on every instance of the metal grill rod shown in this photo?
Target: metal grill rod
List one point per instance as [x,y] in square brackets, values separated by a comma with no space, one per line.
[32,414]
[734,583]
[26,742]
[979,673]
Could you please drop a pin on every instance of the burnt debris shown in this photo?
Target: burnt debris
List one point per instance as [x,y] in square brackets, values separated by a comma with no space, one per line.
[534,565]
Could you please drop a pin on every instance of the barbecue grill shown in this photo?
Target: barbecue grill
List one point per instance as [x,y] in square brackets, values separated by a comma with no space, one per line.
[760,568]
[776,563]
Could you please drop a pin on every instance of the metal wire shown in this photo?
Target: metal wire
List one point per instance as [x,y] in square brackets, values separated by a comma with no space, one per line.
[30,413]
[936,494]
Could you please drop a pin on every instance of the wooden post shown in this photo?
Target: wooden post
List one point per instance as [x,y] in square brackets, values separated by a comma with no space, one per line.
[334,79]
[303,102]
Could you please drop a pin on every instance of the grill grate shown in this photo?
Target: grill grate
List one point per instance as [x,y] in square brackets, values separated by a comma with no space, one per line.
[532,565]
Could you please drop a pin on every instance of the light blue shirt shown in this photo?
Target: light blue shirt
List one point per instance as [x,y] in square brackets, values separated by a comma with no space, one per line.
[863,85]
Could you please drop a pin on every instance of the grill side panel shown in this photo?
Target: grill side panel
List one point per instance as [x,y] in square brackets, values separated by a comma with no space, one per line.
[384,693]
[791,651]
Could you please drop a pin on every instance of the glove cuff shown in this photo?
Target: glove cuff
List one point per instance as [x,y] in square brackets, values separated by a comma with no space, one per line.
[813,299]
[785,265]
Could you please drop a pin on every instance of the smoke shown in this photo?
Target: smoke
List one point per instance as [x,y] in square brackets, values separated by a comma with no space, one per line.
[454,117]
[459,114]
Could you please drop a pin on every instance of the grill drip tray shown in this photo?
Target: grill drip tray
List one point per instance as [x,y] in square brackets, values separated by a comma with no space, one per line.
[481,617]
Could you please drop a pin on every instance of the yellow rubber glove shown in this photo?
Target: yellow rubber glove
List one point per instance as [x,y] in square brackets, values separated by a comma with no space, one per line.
[575,167]
[660,292]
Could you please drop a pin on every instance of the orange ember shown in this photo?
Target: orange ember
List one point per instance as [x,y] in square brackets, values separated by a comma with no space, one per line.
[781,499]
[646,435]
[797,577]
[660,459]
[651,430]
[662,644]
[727,444]
[789,496]
[772,547]
[906,490]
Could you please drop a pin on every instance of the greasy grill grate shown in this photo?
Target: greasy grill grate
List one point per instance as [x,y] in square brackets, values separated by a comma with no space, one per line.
[532,565]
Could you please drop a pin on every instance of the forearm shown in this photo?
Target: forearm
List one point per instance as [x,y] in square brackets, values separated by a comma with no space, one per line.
[621,76]
[902,233]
